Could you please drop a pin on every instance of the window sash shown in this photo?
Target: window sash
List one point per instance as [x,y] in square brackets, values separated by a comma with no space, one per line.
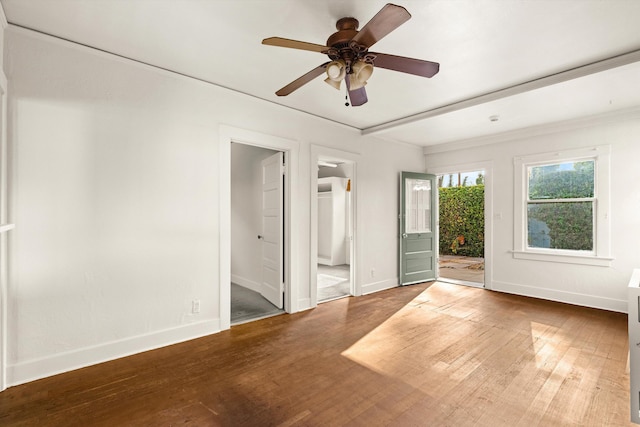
[528,168]
[544,177]
[563,234]
[601,254]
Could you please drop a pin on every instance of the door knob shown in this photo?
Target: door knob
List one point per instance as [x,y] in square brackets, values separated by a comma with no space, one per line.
[404,235]
[259,236]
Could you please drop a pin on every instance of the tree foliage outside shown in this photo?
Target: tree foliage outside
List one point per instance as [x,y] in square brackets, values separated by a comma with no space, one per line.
[461,179]
[462,220]
[563,223]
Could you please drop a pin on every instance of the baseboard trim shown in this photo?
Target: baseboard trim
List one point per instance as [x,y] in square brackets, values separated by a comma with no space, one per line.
[304,304]
[584,300]
[246,283]
[32,370]
[370,288]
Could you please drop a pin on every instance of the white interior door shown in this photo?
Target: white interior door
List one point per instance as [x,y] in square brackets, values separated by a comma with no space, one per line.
[272,229]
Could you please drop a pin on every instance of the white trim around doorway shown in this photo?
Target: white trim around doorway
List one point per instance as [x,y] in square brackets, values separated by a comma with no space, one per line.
[229,134]
[325,154]
[4,225]
[487,167]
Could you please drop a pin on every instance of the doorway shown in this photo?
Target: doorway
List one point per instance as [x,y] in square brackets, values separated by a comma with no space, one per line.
[334,227]
[257,233]
[461,205]
[292,218]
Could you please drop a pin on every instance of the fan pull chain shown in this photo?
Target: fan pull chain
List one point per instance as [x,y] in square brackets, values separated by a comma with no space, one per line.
[346,97]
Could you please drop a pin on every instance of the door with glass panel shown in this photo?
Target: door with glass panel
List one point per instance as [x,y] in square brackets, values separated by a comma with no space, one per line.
[418,228]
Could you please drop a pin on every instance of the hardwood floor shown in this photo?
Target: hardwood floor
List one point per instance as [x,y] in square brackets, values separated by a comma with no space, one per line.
[423,355]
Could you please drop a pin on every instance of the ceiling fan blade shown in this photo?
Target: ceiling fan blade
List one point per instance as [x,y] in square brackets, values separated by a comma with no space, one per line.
[357,96]
[303,80]
[388,19]
[403,64]
[294,44]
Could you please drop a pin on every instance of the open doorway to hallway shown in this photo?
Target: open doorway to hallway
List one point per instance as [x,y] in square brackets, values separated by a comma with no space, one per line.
[461,228]
[257,233]
[334,218]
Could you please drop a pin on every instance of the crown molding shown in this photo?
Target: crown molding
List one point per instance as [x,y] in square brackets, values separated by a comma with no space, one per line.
[61,41]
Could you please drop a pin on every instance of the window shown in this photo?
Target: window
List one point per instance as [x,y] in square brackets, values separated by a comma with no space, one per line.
[418,206]
[562,207]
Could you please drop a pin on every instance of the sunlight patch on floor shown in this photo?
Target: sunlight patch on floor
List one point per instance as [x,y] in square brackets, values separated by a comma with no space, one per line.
[420,342]
[537,330]
[544,344]
[384,348]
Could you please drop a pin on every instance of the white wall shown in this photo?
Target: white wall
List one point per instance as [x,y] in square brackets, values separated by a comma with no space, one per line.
[246,214]
[4,226]
[114,190]
[378,202]
[595,286]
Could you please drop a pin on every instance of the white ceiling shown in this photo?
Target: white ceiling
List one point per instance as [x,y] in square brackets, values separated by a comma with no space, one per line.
[497,57]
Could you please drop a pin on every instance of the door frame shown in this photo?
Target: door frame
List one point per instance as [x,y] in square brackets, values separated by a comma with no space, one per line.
[321,153]
[4,228]
[229,135]
[487,167]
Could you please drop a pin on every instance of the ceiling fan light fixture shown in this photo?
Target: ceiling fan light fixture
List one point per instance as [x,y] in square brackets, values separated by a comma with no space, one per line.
[336,71]
[356,84]
[333,83]
[361,73]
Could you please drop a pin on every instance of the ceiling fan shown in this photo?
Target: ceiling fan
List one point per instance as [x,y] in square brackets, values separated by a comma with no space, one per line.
[351,61]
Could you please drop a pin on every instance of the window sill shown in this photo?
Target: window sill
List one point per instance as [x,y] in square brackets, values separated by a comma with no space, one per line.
[597,261]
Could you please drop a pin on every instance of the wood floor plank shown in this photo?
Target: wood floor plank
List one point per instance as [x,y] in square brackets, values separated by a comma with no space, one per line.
[429,354]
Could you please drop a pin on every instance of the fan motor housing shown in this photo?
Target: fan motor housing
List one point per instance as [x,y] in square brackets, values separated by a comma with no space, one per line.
[347,29]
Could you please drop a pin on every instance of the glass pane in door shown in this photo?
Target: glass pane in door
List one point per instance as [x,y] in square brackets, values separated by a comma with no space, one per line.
[417,206]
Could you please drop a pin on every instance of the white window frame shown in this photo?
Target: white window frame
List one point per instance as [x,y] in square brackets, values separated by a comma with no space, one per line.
[601,254]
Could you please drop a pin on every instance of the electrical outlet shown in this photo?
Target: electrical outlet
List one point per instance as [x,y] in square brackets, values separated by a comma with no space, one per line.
[195,306]
[373,272]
